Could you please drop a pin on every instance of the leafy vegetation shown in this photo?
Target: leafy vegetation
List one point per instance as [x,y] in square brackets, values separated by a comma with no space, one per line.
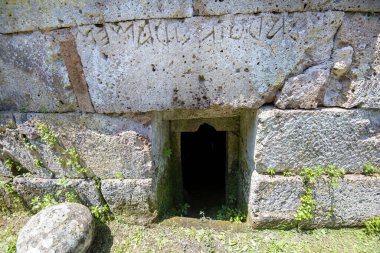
[373,226]
[287,173]
[270,171]
[101,213]
[369,169]
[305,212]
[230,212]
[44,202]
[46,135]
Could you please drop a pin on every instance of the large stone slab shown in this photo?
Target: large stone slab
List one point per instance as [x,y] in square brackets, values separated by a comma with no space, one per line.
[206,7]
[228,61]
[17,16]
[33,76]
[293,139]
[274,200]
[130,197]
[28,188]
[65,227]
[356,79]
[108,146]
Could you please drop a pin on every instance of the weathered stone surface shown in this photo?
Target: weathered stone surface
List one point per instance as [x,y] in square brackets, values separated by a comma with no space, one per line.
[205,7]
[28,188]
[129,197]
[274,200]
[9,201]
[305,90]
[293,139]
[33,76]
[16,16]
[343,60]
[227,61]
[60,228]
[357,83]
[108,146]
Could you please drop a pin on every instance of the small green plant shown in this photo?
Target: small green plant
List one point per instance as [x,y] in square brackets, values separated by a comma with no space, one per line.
[180,210]
[38,163]
[119,175]
[29,145]
[287,173]
[167,152]
[270,172]
[372,226]
[310,175]
[46,135]
[72,197]
[306,209]
[41,203]
[14,167]
[101,213]
[333,174]
[11,244]
[369,169]
[231,214]
[72,160]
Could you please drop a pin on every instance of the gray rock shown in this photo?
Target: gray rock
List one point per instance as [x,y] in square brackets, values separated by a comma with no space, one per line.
[356,82]
[306,90]
[228,61]
[293,139]
[343,60]
[17,16]
[129,197]
[28,188]
[60,228]
[274,201]
[205,7]
[33,76]
[108,146]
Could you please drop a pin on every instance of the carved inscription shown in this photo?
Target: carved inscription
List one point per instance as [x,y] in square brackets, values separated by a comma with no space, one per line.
[148,32]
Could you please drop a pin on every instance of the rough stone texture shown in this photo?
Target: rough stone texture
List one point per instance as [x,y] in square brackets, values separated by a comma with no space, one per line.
[28,188]
[343,60]
[60,228]
[33,76]
[227,61]
[108,146]
[9,201]
[206,7]
[358,83]
[129,197]
[305,90]
[274,200]
[17,16]
[294,139]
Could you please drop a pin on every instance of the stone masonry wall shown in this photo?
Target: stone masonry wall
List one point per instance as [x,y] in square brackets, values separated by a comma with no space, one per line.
[105,78]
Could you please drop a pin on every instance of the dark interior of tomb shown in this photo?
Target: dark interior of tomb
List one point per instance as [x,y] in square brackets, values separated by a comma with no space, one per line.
[203,155]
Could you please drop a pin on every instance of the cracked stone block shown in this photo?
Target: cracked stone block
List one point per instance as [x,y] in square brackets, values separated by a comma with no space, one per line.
[33,76]
[274,201]
[305,90]
[227,61]
[206,7]
[356,81]
[293,139]
[16,16]
[28,188]
[108,146]
[130,197]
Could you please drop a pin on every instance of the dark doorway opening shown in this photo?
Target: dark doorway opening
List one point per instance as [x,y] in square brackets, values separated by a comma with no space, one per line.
[203,156]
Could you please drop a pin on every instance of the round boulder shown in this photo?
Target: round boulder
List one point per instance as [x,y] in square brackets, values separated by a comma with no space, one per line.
[63,228]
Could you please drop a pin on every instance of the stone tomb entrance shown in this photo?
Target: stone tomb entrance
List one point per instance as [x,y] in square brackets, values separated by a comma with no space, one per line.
[205,163]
